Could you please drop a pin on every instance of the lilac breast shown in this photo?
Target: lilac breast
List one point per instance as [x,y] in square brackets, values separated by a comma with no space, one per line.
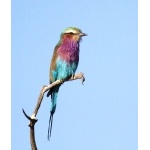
[69,52]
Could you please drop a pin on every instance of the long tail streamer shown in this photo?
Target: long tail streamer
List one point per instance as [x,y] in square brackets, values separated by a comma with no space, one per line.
[50,126]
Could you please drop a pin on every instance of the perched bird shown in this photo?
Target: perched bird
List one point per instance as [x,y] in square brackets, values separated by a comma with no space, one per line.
[63,64]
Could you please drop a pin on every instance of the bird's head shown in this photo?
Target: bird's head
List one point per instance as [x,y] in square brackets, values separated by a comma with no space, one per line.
[73,33]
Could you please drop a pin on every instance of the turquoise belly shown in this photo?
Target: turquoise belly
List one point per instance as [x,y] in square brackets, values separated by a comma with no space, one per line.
[64,70]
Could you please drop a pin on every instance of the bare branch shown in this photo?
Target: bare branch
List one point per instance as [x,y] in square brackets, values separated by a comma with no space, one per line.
[32,135]
[44,89]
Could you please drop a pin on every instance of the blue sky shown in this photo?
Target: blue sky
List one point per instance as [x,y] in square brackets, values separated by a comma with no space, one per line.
[102,114]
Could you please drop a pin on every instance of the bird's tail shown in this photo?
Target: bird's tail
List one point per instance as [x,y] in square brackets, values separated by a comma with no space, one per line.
[54,93]
[50,126]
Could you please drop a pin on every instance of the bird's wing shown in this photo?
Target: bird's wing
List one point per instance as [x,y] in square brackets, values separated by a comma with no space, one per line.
[53,72]
[53,69]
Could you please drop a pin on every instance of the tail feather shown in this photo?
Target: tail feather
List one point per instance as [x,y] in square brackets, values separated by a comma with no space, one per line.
[50,126]
[54,93]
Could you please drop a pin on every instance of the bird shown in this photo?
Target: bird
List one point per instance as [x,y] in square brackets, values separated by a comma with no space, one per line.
[63,64]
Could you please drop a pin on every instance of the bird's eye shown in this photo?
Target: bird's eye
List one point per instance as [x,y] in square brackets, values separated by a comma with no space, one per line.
[71,33]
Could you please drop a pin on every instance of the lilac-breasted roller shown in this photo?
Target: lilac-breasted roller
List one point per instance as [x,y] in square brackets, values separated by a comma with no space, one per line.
[64,63]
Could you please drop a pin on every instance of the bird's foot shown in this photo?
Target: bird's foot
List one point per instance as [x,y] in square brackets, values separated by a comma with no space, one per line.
[62,81]
[73,76]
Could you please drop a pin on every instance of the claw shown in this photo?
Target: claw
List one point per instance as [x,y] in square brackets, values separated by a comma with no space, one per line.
[73,76]
[62,81]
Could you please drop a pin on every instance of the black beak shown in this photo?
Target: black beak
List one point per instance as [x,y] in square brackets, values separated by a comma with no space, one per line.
[82,34]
